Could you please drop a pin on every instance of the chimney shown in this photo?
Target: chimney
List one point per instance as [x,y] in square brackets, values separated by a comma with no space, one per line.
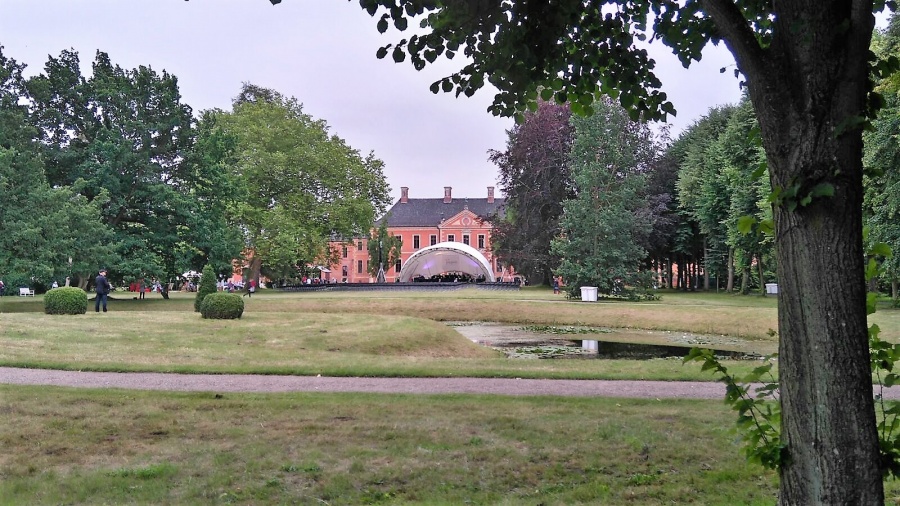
[490,195]
[404,194]
[447,195]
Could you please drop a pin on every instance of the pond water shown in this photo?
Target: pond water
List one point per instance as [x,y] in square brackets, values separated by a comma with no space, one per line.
[547,341]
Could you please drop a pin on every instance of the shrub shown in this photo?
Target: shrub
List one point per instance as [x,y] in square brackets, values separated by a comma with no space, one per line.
[15,281]
[207,286]
[65,300]
[222,306]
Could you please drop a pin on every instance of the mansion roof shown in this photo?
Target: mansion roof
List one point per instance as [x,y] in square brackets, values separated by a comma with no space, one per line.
[432,212]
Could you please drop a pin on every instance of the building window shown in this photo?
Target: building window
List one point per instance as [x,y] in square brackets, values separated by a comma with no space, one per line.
[415,242]
[433,240]
[345,252]
[466,239]
[480,241]
[451,238]
[397,267]
[359,246]
[359,266]
[344,270]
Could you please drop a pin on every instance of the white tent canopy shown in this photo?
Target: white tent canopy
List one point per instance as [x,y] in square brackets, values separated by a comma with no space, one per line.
[446,257]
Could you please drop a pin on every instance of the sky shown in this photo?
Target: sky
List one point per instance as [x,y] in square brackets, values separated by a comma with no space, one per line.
[321,52]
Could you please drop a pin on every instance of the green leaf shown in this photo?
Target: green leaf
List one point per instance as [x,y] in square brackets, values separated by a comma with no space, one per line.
[398,54]
[881,249]
[745,224]
[822,190]
[760,170]
[871,269]
[382,52]
[382,24]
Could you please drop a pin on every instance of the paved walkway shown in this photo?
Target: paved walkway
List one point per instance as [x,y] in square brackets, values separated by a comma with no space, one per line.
[270,383]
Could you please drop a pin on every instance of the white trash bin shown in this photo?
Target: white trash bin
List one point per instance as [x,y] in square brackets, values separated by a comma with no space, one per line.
[589,293]
[771,288]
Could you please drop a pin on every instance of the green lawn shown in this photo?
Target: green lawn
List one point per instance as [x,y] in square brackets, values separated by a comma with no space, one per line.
[108,446]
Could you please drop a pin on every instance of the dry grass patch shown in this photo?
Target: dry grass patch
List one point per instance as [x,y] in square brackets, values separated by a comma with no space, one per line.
[261,340]
[166,448]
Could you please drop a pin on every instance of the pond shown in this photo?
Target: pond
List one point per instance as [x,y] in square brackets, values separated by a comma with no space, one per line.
[549,341]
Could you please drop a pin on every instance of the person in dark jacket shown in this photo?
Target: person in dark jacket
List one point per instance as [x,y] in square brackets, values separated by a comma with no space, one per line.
[101,285]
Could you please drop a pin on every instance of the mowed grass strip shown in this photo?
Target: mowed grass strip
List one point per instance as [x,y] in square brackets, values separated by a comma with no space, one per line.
[292,343]
[65,446]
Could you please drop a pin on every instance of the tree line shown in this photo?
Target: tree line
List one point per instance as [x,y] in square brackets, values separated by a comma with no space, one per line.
[605,201]
[113,169]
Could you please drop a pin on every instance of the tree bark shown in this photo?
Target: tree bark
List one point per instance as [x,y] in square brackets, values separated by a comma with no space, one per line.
[895,289]
[762,277]
[808,85]
[730,286]
[705,269]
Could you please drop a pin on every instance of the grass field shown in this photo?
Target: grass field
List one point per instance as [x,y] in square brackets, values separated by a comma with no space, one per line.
[69,446]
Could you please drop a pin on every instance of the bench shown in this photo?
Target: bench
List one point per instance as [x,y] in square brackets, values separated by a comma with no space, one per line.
[25,292]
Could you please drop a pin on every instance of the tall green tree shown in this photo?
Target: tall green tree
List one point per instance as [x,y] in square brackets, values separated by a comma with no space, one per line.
[384,248]
[46,233]
[601,227]
[298,185]
[748,195]
[211,234]
[806,66]
[535,177]
[882,162]
[126,133]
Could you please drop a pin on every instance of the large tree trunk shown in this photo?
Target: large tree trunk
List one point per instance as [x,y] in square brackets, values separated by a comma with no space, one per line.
[895,290]
[762,277]
[705,263]
[808,85]
[730,286]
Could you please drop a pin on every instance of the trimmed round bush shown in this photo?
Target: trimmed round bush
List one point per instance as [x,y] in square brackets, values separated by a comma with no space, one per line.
[222,306]
[65,300]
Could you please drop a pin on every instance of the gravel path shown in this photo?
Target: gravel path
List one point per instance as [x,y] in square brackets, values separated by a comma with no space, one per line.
[265,383]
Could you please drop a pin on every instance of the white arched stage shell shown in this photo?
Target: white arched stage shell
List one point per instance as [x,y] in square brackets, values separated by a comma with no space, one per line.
[446,257]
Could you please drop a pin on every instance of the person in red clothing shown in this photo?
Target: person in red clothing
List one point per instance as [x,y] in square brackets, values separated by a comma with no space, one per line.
[251,287]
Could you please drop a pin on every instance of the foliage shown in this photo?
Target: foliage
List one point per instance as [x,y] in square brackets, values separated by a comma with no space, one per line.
[120,139]
[720,189]
[222,306]
[759,414]
[210,235]
[298,184]
[881,159]
[65,300]
[42,228]
[536,180]
[602,227]
[384,248]
[207,286]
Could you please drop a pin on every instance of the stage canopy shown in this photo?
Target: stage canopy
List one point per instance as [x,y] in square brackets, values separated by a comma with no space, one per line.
[446,257]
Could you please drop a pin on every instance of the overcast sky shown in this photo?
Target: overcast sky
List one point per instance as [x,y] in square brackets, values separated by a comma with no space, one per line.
[323,53]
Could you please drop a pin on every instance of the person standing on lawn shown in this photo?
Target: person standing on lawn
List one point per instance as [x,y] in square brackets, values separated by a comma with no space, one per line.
[102,286]
[251,287]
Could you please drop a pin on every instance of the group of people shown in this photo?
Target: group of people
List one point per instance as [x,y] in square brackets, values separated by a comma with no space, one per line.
[231,287]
